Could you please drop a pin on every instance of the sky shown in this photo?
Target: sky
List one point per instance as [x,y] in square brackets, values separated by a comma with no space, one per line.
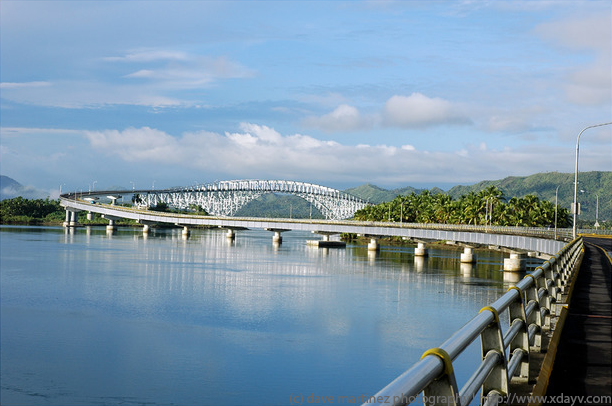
[155,94]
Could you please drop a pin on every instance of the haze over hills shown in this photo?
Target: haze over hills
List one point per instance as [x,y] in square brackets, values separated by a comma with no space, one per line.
[10,188]
[542,185]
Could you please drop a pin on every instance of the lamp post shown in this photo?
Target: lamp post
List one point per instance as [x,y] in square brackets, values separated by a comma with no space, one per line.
[575,206]
[597,214]
[556,205]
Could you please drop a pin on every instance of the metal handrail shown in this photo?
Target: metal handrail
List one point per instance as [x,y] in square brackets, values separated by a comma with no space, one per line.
[529,303]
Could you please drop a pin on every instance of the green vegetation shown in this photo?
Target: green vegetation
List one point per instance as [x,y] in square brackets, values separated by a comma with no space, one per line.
[488,206]
[277,205]
[30,211]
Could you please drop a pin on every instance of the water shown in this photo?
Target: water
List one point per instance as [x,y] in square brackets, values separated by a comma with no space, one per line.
[90,318]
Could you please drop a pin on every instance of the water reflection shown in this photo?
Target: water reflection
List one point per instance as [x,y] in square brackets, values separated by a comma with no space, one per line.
[221,319]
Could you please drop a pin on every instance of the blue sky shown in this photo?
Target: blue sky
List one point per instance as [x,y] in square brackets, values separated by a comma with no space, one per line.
[395,93]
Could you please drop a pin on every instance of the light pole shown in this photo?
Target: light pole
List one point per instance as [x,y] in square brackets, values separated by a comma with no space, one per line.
[556,205]
[575,206]
[597,214]
[94,185]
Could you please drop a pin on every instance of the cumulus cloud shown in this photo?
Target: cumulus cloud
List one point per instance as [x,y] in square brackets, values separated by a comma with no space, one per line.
[414,111]
[343,118]
[418,110]
[259,151]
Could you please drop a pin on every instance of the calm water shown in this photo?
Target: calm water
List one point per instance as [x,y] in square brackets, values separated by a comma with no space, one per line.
[91,318]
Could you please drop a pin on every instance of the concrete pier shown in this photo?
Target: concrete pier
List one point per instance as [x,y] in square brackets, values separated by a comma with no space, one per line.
[111,225]
[277,237]
[420,250]
[230,234]
[467,257]
[325,242]
[373,245]
[515,263]
[185,231]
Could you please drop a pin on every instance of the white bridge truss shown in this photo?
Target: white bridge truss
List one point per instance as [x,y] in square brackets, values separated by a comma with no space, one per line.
[224,198]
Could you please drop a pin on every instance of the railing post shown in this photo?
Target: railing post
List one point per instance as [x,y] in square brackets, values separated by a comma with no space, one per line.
[491,339]
[442,390]
[534,317]
[521,340]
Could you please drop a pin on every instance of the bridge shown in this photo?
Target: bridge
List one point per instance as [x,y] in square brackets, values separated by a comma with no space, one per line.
[223,199]
[511,355]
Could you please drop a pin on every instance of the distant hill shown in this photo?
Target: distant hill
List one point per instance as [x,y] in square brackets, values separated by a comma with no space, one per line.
[10,188]
[542,185]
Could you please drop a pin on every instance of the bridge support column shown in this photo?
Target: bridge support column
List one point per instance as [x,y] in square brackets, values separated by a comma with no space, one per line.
[145,228]
[467,257]
[373,245]
[420,250]
[230,234]
[515,263]
[277,238]
[111,225]
[185,231]
[74,218]
[90,216]
[67,222]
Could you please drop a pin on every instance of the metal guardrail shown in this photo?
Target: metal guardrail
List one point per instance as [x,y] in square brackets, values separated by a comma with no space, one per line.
[529,304]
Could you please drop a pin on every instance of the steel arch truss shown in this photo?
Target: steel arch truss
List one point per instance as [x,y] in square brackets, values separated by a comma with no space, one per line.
[224,198]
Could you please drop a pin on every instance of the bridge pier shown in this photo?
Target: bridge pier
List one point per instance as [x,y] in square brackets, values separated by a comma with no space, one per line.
[373,245]
[277,238]
[230,234]
[113,199]
[325,242]
[420,250]
[467,257]
[72,218]
[515,263]
[185,231]
[90,216]
[111,225]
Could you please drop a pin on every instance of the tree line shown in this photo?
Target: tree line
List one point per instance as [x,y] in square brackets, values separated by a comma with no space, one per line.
[30,211]
[489,206]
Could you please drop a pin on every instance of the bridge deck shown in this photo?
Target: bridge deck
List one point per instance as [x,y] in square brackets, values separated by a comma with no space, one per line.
[583,363]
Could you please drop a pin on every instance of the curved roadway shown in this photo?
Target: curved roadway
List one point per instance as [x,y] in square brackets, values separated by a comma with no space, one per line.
[538,240]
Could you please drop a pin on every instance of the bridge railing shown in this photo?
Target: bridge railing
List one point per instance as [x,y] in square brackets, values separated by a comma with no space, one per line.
[529,303]
[564,234]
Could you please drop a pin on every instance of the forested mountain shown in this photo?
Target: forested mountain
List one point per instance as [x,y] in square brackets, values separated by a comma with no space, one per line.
[541,185]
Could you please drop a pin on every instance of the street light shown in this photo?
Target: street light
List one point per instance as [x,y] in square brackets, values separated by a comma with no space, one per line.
[597,213]
[575,206]
[556,204]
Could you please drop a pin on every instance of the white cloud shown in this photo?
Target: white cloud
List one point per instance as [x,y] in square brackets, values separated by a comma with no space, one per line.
[21,85]
[343,118]
[414,111]
[258,151]
[157,74]
[418,110]
[149,55]
[192,71]
[589,84]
